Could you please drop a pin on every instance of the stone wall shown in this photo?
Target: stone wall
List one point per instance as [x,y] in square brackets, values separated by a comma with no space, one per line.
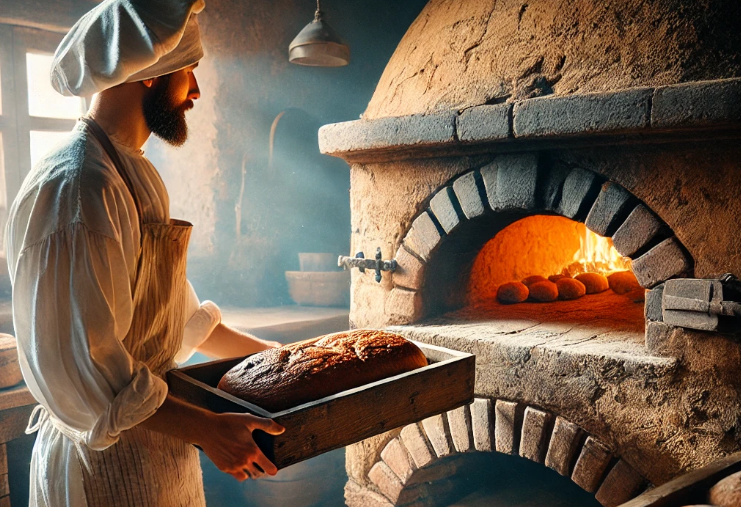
[692,188]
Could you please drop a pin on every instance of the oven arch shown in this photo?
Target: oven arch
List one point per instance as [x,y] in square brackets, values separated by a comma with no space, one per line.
[408,461]
[438,248]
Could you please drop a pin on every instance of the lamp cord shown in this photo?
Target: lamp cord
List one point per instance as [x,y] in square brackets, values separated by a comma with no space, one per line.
[318,13]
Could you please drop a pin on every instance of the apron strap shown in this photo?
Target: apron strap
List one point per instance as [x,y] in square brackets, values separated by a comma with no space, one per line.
[107,145]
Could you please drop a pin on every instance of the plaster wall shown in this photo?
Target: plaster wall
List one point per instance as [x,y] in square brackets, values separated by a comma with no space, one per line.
[298,201]
[459,54]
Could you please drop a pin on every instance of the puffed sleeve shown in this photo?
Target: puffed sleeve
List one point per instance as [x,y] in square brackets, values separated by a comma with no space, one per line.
[200,320]
[72,306]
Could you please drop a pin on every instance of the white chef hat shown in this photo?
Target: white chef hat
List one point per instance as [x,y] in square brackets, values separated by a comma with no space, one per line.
[123,41]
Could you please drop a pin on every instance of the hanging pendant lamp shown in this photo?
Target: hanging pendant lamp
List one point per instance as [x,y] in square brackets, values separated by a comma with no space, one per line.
[317,45]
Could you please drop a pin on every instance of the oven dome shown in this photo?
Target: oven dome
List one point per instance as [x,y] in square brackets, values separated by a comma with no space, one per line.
[462,53]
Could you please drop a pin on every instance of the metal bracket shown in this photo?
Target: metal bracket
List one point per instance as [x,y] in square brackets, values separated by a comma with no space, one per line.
[360,262]
[705,305]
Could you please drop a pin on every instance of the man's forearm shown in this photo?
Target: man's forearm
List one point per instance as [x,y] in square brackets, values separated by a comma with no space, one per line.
[225,438]
[225,341]
[179,419]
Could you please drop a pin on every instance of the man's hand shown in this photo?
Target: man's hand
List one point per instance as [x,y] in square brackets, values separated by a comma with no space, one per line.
[225,438]
[229,444]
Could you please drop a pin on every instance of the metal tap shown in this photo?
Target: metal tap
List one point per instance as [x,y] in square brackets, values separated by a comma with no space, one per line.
[360,262]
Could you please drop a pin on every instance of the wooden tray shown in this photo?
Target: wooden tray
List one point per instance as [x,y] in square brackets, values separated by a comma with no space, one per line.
[344,418]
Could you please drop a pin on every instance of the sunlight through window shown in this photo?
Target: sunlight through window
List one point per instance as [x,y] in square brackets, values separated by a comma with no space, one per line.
[43,100]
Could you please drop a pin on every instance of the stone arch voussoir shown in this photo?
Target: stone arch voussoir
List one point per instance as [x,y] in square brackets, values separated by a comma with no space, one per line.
[520,183]
[411,466]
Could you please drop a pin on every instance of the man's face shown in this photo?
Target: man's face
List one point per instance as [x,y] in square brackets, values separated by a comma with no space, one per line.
[166,102]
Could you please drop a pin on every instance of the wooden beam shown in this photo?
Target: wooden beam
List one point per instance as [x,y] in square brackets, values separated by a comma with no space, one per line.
[690,487]
[13,422]
[3,459]
[18,396]
[53,15]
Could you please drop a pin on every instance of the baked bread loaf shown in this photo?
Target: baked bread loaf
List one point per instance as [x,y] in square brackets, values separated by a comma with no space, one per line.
[277,379]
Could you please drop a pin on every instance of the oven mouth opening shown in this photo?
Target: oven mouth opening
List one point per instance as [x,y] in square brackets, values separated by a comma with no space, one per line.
[465,308]
[518,482]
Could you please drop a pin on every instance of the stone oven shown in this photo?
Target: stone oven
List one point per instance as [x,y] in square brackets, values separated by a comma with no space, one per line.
[498,135]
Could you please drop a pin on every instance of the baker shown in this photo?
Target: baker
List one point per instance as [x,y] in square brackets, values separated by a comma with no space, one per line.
[101,304]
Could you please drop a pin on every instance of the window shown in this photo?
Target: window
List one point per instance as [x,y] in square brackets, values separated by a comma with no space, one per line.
[33,117]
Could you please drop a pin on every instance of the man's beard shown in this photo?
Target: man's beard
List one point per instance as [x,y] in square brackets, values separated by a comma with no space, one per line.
[165,120]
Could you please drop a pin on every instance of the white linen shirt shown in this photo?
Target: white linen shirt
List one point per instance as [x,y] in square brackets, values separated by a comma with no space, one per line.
[72,241]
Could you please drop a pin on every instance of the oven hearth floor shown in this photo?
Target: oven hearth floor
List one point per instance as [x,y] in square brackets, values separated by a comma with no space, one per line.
[606,325]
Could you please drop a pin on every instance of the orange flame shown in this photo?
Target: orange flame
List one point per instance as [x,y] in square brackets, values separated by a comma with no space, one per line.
[596,254]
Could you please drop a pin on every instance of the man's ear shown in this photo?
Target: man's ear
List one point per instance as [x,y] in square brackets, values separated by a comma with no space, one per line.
[148,82]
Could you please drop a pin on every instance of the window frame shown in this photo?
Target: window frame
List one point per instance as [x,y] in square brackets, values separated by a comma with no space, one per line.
[16,123]
[28,40]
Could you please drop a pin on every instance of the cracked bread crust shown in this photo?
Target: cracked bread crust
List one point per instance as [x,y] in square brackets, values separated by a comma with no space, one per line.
[277,379]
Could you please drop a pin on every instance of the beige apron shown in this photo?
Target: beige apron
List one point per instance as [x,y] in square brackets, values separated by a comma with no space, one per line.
[145,468]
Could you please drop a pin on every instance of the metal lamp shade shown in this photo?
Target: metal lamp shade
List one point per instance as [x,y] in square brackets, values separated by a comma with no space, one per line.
[317,45]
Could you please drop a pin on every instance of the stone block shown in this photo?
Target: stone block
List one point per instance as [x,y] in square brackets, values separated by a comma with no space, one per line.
[386,481]
[577,190]
[698,104]
[609,210]
[621,484]
[3,459]
[489,178]
[423,236]
[639,228]
[417,445]
[409,270]
[485,123]
[467,191]
[443,208]
[591,465]
[395,455]
[658,339]
[438,435]
[403,306]
[482,422]
[390,132]
[535,433]
[652,307]
[459,421]
[506,426]
[359,496]
[552,187]
[665,260]
[516,181]
[563,446]
[619,111]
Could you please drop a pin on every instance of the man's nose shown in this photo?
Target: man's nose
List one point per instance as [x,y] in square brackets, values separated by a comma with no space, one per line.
[194,92]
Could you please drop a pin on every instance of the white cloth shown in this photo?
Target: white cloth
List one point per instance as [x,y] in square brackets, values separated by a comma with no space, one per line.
[121,41]
[72,240]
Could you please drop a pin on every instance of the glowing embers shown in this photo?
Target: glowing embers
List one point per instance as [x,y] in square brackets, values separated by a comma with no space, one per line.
[545,258]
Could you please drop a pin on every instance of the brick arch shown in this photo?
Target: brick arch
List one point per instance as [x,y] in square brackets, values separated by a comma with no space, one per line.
[471,208]
[407,471]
